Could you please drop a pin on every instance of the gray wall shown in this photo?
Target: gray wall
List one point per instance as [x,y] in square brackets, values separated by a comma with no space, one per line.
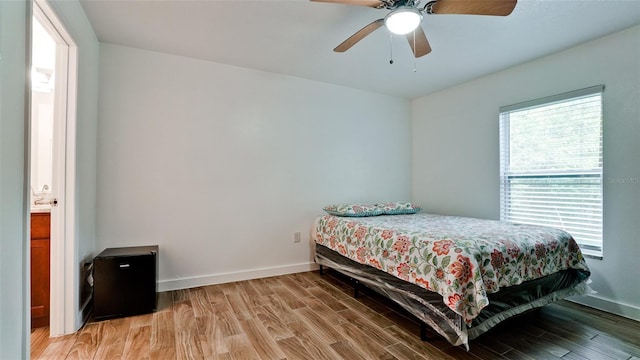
[221,165]
[456,150]
[14,294]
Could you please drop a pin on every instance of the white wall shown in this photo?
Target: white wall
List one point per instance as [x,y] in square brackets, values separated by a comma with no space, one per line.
[42,132]
[455,146]
[14,321]
[220,165]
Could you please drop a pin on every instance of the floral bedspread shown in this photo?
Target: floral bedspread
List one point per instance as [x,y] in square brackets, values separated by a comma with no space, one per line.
[462,259]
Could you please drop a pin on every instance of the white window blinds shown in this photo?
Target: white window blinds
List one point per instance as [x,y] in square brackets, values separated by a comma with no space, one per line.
[551,164]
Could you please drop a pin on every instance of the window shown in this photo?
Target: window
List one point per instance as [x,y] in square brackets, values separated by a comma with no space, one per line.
[551,164]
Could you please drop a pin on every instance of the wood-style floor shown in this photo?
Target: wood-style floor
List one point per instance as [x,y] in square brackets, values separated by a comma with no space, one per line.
[308,316]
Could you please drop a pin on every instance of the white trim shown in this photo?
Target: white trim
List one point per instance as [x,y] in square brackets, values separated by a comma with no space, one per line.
[610,306]
[64,290]
[25,344]
[73,318]
[204,280]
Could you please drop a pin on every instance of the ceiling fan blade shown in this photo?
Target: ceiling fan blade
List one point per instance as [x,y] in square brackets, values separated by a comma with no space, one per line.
[359,35]
[419,43]
[471,7]
[369,3]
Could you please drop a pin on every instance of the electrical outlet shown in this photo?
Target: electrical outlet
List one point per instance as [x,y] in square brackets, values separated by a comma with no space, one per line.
[296,237]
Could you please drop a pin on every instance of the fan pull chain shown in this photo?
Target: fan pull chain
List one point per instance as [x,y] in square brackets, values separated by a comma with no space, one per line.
[390,48]
[414,51]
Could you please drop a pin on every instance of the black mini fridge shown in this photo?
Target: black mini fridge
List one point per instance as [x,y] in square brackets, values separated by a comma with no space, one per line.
[125,281]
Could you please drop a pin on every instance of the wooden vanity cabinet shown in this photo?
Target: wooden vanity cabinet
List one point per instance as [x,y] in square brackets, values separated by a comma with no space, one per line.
[40,263]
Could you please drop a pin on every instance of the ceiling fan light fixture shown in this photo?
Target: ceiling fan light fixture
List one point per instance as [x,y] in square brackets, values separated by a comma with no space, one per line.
[403,20]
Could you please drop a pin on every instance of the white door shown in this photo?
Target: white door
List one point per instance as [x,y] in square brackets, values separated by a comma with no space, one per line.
[61,191]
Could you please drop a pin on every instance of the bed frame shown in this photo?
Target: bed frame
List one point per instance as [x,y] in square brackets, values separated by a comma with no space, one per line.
[429,308]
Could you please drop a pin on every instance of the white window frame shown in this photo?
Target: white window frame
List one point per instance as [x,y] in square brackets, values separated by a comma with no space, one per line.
[507,175]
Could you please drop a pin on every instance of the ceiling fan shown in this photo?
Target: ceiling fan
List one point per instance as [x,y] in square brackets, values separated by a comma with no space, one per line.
[406,15]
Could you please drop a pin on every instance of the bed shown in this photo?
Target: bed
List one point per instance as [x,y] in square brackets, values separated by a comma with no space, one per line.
[460,276]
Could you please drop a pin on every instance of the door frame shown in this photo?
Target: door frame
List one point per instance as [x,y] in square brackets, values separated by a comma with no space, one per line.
[64,291]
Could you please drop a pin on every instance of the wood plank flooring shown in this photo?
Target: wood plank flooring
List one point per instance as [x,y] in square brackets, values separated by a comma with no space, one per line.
[308,316]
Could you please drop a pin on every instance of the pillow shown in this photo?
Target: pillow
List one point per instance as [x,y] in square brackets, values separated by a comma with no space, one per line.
[396,208]
[353,210]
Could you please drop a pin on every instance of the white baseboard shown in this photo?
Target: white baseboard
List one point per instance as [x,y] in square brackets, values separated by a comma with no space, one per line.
[204,280]
[594,301]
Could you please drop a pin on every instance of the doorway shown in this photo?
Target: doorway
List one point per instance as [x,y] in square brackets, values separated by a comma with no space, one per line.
[43,57]
[52,172]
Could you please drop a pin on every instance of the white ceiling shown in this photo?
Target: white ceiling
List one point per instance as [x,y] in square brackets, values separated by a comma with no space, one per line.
[296,37]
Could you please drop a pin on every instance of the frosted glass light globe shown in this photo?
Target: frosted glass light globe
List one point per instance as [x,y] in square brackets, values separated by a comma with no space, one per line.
[403,20]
